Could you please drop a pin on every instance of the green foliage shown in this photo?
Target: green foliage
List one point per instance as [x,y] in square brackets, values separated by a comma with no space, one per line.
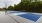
[28,6]
[10,8]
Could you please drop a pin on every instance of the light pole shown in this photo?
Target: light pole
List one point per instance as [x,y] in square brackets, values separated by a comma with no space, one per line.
[5,8]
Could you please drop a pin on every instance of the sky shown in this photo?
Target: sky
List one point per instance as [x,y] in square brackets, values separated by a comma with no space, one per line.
[8,2]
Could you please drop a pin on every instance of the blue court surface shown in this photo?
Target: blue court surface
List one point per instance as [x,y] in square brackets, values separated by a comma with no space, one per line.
[32,17]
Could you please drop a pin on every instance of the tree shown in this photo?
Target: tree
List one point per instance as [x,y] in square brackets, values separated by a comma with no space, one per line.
[10,8]
[28,6]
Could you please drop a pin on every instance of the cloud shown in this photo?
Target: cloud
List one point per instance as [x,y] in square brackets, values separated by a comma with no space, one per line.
[8,2]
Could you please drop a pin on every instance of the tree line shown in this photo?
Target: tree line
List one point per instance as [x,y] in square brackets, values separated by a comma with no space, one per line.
[28,6]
